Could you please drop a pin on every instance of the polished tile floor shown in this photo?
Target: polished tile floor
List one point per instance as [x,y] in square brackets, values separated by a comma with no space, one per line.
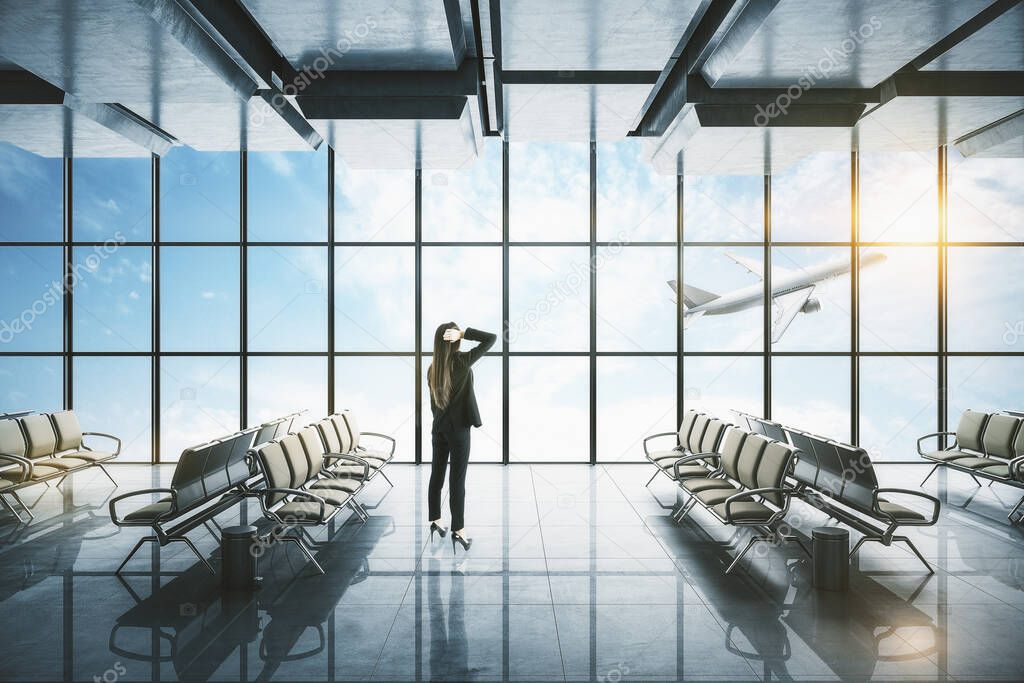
[576,573]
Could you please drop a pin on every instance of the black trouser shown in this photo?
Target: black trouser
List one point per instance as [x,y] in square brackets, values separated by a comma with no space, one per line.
[454,442]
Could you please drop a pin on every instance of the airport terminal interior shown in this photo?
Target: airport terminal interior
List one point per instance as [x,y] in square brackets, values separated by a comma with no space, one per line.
[697,327]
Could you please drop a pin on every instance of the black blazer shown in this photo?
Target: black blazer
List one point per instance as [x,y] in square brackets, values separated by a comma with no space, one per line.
[462,411]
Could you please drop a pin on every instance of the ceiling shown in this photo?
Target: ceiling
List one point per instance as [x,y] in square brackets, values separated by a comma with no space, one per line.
[713,86]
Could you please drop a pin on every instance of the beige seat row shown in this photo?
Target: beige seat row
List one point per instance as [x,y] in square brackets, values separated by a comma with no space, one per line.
[737,476]
[40,447]
[987,445]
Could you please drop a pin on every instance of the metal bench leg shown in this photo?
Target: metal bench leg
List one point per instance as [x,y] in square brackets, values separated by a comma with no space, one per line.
[1014,511]
[686,509]
[304,549]
[739,557]
[381,473]
[138,545]
[917,552]
[656,473]
[112,480]
[975,479]
[61,481]
[194,549]
[359,510]
[22,504]
[930,473]
[12,510]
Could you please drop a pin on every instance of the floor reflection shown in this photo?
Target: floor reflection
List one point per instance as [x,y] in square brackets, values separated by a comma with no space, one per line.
[576,573]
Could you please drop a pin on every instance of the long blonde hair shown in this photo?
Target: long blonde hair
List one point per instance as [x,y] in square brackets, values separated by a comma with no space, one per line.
[439,374]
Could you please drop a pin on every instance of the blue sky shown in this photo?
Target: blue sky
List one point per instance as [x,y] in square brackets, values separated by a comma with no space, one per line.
[549,298]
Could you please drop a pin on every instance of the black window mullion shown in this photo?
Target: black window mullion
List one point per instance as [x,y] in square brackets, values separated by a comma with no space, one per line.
[593,303]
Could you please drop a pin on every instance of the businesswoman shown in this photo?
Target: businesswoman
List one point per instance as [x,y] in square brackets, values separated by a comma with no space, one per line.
[453,403]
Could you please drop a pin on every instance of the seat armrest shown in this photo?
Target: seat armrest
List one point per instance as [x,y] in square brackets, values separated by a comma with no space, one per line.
[750,493]
[1014,467]
[905,492]
[928,436]
[119,522]
[117,451]
[381,436]
[659,435]
[298,494]
[348,456]
[691,458]
[24,463]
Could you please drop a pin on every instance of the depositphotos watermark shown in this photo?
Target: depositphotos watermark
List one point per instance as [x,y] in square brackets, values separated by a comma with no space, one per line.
[831,61]
[566,288]
[51,296]
[315,70]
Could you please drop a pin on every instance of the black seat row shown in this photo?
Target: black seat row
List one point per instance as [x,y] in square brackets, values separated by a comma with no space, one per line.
[840,479]
[987,445]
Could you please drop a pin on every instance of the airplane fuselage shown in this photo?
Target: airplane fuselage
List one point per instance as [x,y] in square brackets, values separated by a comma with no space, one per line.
[753,295]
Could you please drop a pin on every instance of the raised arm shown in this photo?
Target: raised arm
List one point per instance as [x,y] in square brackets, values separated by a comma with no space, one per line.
[486,340]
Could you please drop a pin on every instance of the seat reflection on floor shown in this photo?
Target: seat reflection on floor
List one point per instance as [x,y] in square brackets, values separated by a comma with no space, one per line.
[576,573]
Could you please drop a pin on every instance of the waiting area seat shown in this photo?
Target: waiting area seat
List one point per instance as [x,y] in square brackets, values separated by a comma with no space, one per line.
[40,447]
[341,435]
[695,443]
[208,479]
[986,445]
[747,487]
[301,490]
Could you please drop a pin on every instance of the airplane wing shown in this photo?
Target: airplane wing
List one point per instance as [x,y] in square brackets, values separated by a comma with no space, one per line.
[690,318]
[752,266]
[789,305]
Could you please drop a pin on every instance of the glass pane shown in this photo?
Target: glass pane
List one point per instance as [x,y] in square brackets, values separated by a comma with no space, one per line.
[382,394]
[31,383]
[549,299]
[986,199]
[288,196]
[712,273]
[635,397]
[281,386]
[812,394]
[113,395]
[811,200]
[634,203]
[461,285]
[721,385]
[985,293]
[486,440]
[31,196]
[723,209]
[199,401]
[465,205]
[287,298]
[898,304]
[112,200]
[32,305]
[199,196]
[374,304]
[374,205]
[635,308]
[549,409]
[980,383]
[199,305]
[898,197]
[113,298]
[821,322]
[897,405]
[549,191]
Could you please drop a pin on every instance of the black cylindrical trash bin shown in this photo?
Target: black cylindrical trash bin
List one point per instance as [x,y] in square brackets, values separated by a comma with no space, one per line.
[238,552]
[831,550]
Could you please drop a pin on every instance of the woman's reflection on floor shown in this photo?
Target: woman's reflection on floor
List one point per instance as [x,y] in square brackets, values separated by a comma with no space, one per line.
[448,646]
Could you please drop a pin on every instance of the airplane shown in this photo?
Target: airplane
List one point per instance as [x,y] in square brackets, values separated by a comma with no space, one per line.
[791,291]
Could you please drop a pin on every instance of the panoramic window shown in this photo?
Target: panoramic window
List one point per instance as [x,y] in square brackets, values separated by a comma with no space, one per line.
[287,298]
[811,199]
[31,196]
[634,202]
[113,298]
[199,305]
[199,196]
[549,192]
[112,200]
[113,395]
[549,299]
[373,205]
[288,196]
[723,208]
[464,204]
[31,309]
[899,197]
[199,402]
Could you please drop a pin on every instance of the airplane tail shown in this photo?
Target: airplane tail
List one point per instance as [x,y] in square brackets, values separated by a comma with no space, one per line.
[692,296]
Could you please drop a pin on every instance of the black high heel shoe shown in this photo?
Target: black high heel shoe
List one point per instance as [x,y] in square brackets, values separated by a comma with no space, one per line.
[464,542]
[440,530]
